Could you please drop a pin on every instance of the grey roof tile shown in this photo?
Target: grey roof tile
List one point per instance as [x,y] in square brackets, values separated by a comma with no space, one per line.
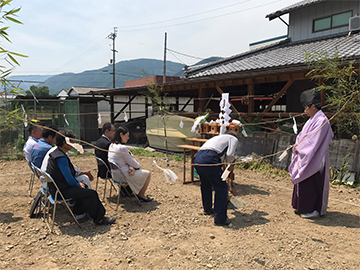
[280,55]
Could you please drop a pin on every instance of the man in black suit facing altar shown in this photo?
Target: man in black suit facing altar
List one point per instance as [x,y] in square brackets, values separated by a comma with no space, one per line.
[108,132]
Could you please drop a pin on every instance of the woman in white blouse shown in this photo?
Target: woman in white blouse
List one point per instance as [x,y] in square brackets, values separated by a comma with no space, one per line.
[139,179]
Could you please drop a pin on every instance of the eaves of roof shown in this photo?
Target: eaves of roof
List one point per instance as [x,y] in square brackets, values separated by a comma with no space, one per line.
[288,9]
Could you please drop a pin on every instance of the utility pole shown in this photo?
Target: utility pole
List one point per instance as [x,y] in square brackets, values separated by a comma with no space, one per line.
[113,36]
[164,77]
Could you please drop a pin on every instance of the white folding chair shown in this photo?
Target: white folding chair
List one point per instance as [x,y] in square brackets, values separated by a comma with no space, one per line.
[124,182]
[100,162]
[32,178]
[39,205]
[58,198]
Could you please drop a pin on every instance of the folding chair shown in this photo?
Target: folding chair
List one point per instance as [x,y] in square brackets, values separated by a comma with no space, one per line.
[57,199]
[122,183]
[100,162]
[39,204]
[32,178]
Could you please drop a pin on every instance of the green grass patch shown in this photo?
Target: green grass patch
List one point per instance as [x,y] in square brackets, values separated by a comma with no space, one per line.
[263,166]
[137,151]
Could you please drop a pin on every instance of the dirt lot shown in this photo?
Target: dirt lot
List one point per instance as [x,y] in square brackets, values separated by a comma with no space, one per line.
[172,233]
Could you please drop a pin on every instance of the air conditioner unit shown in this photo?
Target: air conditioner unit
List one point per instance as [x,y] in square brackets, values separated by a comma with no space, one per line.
[354,23]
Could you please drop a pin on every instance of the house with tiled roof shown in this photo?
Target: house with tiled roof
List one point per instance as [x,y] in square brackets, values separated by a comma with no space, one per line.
[279,70]
[267,81]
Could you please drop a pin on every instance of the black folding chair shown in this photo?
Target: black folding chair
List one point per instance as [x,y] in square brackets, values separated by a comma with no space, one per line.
[124,182]
[100,162]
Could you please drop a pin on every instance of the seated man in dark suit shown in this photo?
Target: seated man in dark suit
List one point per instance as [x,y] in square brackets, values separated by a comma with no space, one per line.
[108,133]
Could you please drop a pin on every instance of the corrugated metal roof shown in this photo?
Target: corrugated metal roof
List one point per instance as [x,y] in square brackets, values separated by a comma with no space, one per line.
[280,55]
[297,5]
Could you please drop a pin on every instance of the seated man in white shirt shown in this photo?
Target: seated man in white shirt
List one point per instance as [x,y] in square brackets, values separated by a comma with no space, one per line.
[35,133]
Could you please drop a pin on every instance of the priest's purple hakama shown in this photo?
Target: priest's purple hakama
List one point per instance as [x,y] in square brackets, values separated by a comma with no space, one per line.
[309,169]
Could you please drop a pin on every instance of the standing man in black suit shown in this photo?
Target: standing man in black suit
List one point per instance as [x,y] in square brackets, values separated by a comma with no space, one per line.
[108,133]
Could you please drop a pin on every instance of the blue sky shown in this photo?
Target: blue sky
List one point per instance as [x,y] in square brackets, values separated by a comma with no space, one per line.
[71,35]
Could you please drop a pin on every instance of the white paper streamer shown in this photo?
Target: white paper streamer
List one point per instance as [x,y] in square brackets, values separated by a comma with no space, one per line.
[99,119]
[66,121]
[77,146]
[244,131]
[295,126]
[226,173]
[283,155]
[25,122]
[125,117]
[168,173]
[181,123]
[197,123]
[225,111]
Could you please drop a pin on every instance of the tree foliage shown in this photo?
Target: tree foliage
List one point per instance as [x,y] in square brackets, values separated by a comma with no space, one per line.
[156,97]
[8,57]
[339,80]
[39,92]
[7,63]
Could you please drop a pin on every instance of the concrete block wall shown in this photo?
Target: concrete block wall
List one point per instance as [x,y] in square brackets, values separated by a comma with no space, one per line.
[263,144]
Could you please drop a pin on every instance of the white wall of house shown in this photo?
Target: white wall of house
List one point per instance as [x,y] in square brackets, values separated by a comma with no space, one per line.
[301,20]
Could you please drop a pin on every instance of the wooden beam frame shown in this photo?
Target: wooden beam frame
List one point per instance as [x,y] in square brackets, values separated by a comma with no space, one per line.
[187,103]
[123,108]
[279,95]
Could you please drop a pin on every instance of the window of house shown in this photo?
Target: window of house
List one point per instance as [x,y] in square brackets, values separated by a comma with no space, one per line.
[322,24]
[341,19]
[333,21]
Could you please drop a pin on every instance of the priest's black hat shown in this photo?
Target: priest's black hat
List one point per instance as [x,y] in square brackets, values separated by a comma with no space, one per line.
[309,97]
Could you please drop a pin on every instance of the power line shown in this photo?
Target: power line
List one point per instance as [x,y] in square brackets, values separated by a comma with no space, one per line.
[85,53]
[205,19]
[188,16]
[195,57]
[177,57]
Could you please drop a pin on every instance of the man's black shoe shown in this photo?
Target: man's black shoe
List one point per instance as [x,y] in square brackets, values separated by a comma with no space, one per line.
[82,217]
[208,212]
[222,223]
[106,221]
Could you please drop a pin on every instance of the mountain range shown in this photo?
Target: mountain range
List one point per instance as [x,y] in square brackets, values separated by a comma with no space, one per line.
[103,77]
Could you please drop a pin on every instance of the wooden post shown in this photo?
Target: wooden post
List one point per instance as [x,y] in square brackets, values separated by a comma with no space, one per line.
[112,118]
[251,92]
[146,107]
[201,99]
[184,165]
[176,103]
